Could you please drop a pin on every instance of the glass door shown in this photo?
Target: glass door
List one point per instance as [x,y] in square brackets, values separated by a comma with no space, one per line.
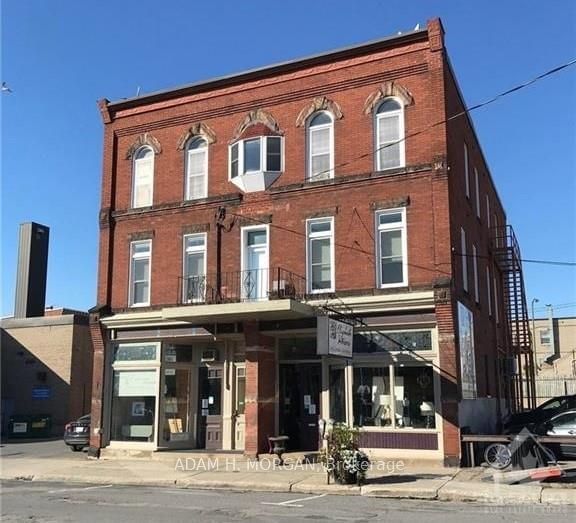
[177,426]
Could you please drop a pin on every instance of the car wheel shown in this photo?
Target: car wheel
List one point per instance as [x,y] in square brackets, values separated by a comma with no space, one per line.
[498,456]
[77,448]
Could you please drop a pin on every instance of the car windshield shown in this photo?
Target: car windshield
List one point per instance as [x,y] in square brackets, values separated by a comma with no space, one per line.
[553,404]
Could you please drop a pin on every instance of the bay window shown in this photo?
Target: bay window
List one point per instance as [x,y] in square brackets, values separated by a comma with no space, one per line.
[256,155]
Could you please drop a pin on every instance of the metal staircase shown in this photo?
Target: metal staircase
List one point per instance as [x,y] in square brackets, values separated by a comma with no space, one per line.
[519,377]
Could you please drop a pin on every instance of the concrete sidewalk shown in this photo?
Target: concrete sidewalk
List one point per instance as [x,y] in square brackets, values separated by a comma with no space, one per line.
[200,471]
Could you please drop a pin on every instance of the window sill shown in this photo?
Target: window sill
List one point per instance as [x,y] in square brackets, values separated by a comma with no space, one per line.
[138,305]
[393,285]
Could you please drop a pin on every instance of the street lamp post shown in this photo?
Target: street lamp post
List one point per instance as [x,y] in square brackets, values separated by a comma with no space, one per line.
[534,300]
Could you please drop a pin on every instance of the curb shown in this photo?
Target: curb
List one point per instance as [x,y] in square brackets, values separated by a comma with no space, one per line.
[450,491]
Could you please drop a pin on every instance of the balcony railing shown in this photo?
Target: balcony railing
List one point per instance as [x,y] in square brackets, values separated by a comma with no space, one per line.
[242,286]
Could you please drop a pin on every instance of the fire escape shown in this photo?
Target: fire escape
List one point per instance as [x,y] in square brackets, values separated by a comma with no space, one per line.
[517,359]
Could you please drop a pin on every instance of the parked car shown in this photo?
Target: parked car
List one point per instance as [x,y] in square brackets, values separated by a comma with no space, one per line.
[561,425]
[530,419]
[77,433]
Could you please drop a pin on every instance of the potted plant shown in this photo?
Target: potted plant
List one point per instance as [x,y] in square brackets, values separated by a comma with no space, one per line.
[342,458]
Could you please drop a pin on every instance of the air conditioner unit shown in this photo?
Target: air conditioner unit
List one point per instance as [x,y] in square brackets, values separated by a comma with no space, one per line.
[209,355]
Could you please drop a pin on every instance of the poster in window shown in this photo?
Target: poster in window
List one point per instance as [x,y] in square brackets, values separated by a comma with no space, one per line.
[138,408]
[137,383]
[467,355]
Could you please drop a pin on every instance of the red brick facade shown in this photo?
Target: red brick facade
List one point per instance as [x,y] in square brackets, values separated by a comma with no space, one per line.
[430,187]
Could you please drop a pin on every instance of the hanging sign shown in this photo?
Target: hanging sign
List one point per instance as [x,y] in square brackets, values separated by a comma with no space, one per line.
[334,337]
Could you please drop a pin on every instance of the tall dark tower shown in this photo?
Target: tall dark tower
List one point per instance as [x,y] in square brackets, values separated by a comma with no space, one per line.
[31,271]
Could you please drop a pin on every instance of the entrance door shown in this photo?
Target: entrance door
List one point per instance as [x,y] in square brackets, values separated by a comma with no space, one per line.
[239,402]
[209,434]
[177,426]
[255,275]
[300,404]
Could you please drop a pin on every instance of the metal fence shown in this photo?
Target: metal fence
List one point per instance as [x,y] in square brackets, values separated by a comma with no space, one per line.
[547,388]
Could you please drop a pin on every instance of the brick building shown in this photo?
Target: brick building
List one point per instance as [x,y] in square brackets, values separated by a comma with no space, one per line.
[237,211]
[46,367]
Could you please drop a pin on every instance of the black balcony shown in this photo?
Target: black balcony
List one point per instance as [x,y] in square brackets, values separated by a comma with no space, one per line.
[242,286]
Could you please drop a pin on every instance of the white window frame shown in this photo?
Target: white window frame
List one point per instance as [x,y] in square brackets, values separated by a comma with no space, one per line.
[488,222]
[402,226]
[310,236]
[464,259]
[475,272]
[466,170]
[477,186]
[185,252]
[135,168]
[138,256]
[202,149]
[263,154]
[309,131]
[489,290]
[244,252]
[401,133]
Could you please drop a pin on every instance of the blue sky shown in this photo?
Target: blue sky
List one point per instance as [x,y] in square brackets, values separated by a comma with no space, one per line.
[61,56]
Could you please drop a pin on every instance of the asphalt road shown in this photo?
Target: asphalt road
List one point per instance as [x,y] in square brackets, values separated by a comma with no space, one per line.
[53,448]
[58,502]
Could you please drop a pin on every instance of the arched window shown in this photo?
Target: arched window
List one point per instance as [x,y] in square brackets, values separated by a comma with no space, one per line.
[320,146]
[197,169]
[143,184]
[389,130]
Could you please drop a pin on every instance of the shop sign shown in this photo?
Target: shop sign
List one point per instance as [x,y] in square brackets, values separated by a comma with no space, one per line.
[334,337]
[41,393]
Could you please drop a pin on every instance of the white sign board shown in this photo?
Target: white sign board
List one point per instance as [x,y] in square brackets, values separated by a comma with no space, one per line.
[334,337]
[137,383]
[467,354]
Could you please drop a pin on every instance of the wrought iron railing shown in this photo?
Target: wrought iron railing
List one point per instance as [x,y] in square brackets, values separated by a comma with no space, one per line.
[239,286]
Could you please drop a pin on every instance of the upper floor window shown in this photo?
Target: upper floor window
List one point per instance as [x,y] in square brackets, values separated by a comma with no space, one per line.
[320,146]
[466,170]
[143,174]
[320,254]
[391,248]
[140,255]
[256,155]
[477,188]
[464,259]
[389,135]
[197,169]
[194,267]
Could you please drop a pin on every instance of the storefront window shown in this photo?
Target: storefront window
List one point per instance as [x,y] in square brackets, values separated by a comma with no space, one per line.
[337,394]
[366,342]
[414,396]
[132,353]
[372,401]
[406,403]
[178,354]
[133,405]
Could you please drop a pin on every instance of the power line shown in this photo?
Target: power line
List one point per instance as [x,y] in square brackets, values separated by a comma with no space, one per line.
[523,260]
[453,117]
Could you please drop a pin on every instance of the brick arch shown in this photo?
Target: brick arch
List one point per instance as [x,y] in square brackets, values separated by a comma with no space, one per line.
[198,129]
[386,90]
[258,116]
[321,103]
[144,139]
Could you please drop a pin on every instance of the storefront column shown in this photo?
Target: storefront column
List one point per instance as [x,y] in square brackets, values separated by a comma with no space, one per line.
[448,375]
[260,390]
[98,335]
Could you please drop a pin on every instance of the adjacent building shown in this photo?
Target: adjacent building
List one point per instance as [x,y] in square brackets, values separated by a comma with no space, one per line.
[238,212]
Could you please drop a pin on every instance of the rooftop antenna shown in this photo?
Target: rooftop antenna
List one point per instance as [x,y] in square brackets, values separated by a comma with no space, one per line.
[417,28]
[138,91]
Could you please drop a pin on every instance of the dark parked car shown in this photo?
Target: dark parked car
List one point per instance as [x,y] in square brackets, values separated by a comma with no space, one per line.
[532,418]
[77,433]
[563,426]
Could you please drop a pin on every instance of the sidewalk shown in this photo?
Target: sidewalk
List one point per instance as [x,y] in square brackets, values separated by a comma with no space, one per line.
[201,471]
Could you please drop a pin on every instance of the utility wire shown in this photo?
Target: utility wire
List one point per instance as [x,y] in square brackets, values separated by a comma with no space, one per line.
[523,260]
[453,117]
